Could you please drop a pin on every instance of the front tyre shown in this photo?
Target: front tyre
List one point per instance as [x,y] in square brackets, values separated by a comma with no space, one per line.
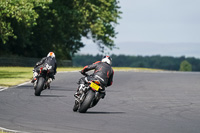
[87,102]
[76,105]
[39,87]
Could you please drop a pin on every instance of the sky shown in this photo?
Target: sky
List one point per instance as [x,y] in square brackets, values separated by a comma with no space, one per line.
[156,27]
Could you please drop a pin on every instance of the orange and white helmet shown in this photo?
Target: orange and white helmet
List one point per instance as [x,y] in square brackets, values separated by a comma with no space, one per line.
[107,59]
[51,54]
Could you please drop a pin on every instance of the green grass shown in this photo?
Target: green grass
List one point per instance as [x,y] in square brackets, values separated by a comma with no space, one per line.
[10,76]
[2,131]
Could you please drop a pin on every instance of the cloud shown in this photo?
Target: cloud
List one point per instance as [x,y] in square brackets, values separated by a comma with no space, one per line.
[166,21]
[157,27]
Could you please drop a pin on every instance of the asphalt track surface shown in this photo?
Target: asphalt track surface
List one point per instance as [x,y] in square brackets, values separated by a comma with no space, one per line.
[138,102]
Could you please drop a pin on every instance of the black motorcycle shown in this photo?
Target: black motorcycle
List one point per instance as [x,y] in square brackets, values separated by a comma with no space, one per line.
[42,82]
[89,96]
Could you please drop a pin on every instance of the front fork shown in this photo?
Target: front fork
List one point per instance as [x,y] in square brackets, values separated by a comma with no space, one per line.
[83,90]
[79,97]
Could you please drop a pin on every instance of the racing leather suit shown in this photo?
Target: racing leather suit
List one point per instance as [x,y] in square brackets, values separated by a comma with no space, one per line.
[102,71]
[47,60]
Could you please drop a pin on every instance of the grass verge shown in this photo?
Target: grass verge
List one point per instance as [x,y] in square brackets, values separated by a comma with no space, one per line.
[3,132]
[10,76]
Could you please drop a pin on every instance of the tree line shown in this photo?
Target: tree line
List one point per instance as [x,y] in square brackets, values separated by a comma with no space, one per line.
[158,62]
[32,28]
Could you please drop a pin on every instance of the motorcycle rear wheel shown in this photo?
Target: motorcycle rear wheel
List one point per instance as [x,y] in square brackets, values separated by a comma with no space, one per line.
[87,102]
[39,86]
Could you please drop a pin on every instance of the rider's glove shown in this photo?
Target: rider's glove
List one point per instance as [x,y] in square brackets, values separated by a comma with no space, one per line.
[82,72]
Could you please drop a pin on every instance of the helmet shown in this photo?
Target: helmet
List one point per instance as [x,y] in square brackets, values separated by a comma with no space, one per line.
[51,54]
[107,59]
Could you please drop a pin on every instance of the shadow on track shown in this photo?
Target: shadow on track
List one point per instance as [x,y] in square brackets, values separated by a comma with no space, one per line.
[62,89]
[52,96]
[92,112]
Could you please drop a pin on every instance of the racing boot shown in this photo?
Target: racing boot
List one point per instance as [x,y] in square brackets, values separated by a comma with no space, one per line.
[102,94]
[48,82]
[33,80]
[35,74]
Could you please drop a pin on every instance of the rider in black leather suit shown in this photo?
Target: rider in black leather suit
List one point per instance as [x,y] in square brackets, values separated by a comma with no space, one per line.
[51,61]
[102,72]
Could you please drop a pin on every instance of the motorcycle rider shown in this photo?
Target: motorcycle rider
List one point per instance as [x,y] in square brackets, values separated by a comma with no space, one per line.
[102,72]
[51,61]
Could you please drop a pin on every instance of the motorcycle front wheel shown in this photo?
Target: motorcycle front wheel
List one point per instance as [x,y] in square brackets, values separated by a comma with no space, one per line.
[87,101]
[39,87]
[76,105]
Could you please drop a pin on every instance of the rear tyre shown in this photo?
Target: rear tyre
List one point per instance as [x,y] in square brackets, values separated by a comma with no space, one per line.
[39,86]
[87,102]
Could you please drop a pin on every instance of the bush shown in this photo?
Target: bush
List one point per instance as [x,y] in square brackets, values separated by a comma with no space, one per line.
[185,66]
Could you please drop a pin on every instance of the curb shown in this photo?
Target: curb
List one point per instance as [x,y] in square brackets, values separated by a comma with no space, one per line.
[3,88]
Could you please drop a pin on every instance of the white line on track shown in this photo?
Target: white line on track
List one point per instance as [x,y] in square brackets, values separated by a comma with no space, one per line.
[24,83]
[5,88]
[2,89]
[11,131]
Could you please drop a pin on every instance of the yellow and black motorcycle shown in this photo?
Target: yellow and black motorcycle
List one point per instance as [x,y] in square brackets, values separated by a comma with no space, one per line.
[90,94]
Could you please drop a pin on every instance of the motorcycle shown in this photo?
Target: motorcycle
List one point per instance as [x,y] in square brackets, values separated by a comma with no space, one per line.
[89,96]
[42,79]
